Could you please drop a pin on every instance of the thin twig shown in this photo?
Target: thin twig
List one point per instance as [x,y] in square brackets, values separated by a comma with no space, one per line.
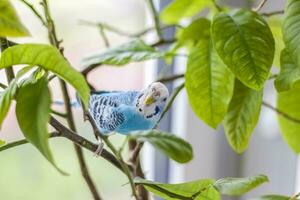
[3,86]
[122,32]
[170,101]
[259,7]
[55,42]
[64,115]
[163,42]
[281,113]
[10,75]
[37,14]
[170,78]
[269,14]
[104,36]
[219,8]
[156,19]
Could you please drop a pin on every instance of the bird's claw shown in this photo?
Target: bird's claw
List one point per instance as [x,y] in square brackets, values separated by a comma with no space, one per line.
[99,149]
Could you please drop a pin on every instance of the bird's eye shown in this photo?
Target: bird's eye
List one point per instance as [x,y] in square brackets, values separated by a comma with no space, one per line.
[165,99]
[140,110]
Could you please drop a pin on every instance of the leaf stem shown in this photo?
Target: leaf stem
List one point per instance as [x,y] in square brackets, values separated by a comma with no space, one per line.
[219,8]
[269,14]
[170,78]
[155,18]
[260,6]
[170,101]
[3,86]
[10,75]
[33,9]
[280,112]
[122,32]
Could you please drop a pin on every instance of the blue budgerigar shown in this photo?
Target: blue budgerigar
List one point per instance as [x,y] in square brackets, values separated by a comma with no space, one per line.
[124,112]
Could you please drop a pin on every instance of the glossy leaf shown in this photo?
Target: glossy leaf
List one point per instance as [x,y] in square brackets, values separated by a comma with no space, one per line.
[174,147]
[205,80]
[2,142]
[133,51]
[48,58]
[242,116]
[5,100]
[272,197]
[198,29]
[245,43]
[288,102]
[197,190]
[291,30]
[10,24]
[33,114]
[179,9]
[239,186]
[289,72]
[275,23]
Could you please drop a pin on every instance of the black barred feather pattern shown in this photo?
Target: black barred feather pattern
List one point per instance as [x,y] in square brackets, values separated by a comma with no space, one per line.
[104,108]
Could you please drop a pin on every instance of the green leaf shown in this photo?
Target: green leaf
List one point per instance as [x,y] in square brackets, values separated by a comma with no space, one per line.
[246,47]
[272,197]
[289,72]
[10,24]
[199,28]
[179,9]
[2,142]
[239,186]
[205,77]
[275,23]
[49,58]
[133,51]
[174,147]
[5,100]
[242,116]
[291,30]
[33,114]
[288,102]
[197,190]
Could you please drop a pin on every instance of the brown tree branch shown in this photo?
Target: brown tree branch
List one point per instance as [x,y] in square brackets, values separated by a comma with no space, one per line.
[70,119]
[81,141]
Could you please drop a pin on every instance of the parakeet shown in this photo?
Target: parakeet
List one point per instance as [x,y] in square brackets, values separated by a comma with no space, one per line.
[124,112]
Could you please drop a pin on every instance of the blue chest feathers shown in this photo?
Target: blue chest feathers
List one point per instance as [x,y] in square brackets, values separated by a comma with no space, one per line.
[134,121]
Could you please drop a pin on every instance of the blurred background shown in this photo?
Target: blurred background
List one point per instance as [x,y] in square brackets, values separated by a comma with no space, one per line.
[25,174]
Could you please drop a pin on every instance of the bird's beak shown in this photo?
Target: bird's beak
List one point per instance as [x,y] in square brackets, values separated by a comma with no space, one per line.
[149,100]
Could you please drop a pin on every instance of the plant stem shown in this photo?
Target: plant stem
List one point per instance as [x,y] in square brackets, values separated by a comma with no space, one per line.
[170,78]
[156,19]
[269,14]
[4,44]
[3,86]
[259,7]
[170,101]
[37,14]
[217,5]
[123,164]
[70,119]
[280,112]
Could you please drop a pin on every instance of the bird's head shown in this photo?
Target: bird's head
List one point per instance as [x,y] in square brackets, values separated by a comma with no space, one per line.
[152,100]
